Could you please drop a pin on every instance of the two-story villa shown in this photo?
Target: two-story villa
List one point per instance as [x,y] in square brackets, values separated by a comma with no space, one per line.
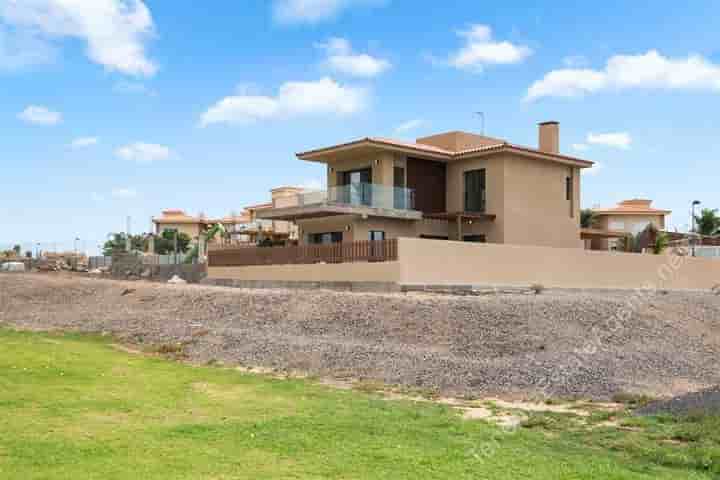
[456,185]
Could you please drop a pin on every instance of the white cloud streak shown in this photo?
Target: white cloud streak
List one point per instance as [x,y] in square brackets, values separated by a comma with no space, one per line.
[84,142]
[341,58]
[314,11]
[322,97]
[650,70]
[621,140]
[481,49]
[409,125]
[143,152]
[39,115]
[115,31]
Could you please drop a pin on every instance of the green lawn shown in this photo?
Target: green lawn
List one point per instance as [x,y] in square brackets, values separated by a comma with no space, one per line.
[74,407]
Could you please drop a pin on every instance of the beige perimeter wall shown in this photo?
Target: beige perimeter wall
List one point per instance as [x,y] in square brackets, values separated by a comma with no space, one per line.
[438,262]
[345,272]
[442,262]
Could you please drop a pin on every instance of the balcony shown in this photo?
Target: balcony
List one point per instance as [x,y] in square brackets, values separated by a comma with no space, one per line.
[359,199]
[252,227]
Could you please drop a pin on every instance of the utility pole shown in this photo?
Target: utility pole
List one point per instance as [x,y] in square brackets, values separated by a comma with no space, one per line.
[693,237]
[482,120]
[128,243]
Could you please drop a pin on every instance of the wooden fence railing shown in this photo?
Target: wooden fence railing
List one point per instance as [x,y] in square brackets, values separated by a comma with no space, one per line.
[350,252]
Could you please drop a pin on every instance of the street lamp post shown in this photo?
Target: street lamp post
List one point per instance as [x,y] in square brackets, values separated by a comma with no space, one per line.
[75,253]
[693,237]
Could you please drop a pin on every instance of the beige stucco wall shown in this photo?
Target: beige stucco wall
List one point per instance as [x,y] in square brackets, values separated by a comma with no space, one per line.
[380,162]
[442,262]
[355,228]
[335,223]
[536,210]
[345,272]
[495,196]
[528,197]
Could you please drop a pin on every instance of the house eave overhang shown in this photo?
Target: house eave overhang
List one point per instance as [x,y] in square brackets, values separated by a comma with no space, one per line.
[630,212]
[321,154]
[325,155]
[591,233]
[333,209]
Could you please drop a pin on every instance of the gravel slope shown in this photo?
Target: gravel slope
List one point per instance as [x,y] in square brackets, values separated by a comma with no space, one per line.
[553,344]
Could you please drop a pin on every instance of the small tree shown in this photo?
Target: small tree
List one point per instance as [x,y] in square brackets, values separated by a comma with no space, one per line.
[165,243]
[17,249]
[662,242]
[708,222]
[588,218]
[117,243]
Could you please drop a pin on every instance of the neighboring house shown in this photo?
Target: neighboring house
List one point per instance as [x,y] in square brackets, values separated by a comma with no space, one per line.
[628,217]
[242,229]
[181,222]
[456,185]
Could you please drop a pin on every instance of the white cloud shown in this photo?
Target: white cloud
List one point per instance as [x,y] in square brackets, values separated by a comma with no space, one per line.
[313,11]
[650,70]
[83,142]
[481,49]
[39,115]
[115,31]
[341,58]
[124,192]
[580,147]
[143,152]
[409,125]
[323,97]
[615,140]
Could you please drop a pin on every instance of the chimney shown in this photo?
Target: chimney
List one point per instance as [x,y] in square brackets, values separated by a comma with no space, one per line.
[549,133]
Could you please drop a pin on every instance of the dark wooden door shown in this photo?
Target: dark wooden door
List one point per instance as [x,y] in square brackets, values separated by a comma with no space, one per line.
[428,179]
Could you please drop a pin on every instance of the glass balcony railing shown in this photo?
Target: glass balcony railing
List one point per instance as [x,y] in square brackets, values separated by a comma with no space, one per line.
[256,226]
[363,194]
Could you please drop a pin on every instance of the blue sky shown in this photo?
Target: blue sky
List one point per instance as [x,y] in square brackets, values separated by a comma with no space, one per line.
[116,108]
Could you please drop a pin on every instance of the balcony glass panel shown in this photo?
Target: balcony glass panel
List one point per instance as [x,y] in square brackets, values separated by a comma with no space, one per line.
[363,194]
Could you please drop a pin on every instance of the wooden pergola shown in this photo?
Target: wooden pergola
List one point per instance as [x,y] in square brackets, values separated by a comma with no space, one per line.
[461,218]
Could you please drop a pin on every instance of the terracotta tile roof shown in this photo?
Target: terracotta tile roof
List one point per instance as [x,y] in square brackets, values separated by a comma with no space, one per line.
[443,153]
[632,207]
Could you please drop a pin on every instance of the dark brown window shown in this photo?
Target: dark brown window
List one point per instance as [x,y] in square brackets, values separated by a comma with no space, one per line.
[325,238]
[568,188]
[377,235]
[475,191]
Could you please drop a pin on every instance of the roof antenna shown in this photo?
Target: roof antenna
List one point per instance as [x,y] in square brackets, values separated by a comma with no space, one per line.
[482,118]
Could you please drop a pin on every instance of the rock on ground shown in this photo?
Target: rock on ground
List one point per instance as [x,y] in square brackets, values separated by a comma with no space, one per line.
[557,344]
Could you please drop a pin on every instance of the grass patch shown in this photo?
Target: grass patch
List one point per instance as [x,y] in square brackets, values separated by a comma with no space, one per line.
[74,407]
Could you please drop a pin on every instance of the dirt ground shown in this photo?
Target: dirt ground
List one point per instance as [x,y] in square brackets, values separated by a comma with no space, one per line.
[556,344]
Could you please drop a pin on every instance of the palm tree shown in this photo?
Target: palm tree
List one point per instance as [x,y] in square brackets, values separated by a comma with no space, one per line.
[588,218]
[708,222]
